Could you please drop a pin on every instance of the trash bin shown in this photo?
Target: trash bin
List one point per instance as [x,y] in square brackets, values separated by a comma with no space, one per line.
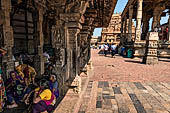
[129,53]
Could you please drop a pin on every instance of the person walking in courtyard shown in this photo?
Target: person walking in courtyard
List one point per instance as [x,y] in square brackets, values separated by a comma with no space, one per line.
[113,50]
[106,47]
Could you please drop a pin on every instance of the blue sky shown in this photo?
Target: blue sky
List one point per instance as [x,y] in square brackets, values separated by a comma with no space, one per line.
[119,8]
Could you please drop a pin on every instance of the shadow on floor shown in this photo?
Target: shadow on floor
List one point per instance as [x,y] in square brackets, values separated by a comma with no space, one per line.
[101,52]
[132,61]
[164,60]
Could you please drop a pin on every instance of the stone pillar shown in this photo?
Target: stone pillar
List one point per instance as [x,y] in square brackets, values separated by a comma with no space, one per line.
[83,37]
[151,56]
[72,55]
[125,27]
[139,20]
[73,26]
[130,23]
[169,28]
[145,28]
[122,28]
[39,62]
[8,36]
[155,18]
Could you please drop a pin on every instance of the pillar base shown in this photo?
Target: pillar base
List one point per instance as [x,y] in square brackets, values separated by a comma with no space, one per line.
[150,60]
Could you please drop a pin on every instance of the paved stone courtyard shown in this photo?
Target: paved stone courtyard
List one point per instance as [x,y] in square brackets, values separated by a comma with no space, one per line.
[122,85]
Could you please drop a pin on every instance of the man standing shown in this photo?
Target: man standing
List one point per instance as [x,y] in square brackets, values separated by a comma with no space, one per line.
[113,50]
[106,47]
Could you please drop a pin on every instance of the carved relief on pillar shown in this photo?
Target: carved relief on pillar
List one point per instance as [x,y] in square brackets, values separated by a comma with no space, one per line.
[1,37]
[60,57]
[58,36]
[76,6]
[138,35]
[73,35]
[151,56]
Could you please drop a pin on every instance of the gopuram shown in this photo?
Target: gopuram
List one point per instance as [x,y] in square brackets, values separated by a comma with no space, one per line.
[142,11]
[112,33]
[63,27]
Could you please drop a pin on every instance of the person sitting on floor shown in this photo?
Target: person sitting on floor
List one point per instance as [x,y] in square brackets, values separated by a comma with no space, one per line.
[27,72]
[48,72]
[54,85]
[44,99]
[2,92]
[15,89]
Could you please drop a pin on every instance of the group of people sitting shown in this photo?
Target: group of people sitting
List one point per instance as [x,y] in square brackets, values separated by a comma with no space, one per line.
[21,87]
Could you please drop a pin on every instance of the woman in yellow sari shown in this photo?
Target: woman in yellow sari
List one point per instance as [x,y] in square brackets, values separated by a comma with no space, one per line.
[27,72]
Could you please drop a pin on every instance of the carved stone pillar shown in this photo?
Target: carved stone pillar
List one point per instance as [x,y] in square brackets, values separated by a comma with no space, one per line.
[39,63]
[169,28]
[83,38]
[73,28]
[145,26]
[157,16]
[130,23]
[8,36]
[151,56]
[156,21]
[122,22]
[125,26]
[72,51]
[139,20]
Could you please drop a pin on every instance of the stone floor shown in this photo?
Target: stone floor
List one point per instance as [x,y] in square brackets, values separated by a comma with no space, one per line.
[122,85]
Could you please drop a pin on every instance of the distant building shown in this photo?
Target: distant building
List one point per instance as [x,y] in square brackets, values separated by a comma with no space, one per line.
[112,33]
[95,40]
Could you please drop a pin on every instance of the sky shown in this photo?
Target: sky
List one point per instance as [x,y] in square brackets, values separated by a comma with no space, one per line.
[119,8]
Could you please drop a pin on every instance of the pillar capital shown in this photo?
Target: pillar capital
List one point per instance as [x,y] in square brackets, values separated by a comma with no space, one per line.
[72,17]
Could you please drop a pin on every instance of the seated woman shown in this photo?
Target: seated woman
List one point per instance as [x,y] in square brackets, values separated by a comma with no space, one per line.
[2,92]
[27,72]
[15,89]
[48,71]
[54,85]
[44,99]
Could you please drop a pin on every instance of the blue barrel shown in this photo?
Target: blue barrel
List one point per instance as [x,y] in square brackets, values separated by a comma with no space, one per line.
[122,51]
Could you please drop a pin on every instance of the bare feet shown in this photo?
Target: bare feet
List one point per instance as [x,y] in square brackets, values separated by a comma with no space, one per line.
[44,112]
[12,106]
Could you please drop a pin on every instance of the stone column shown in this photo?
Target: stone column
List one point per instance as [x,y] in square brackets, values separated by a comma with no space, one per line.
[139,20]
[145,26]
[8,36]
[72,51]
[151,56]
[122,29]
[169,28]
[125,26]
[39,62]
[83,37]
[155,18]
[130,23]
